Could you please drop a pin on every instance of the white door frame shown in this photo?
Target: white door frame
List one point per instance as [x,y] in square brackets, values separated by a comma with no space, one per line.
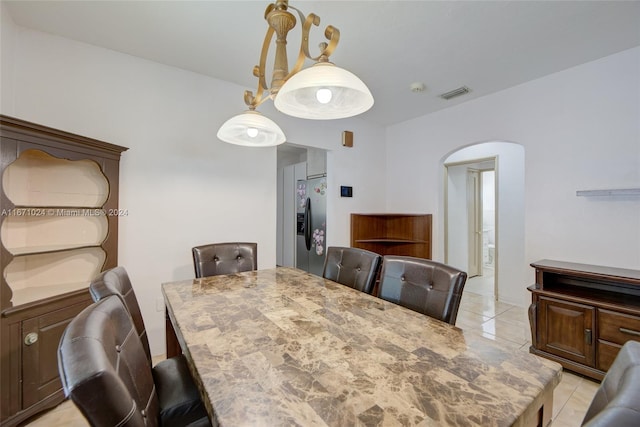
[473,162]
[474,219]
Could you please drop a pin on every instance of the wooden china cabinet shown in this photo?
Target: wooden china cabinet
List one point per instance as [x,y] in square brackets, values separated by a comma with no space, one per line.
[581,314]
[58,229]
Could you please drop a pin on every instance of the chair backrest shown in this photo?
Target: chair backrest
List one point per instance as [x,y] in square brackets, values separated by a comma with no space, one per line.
[116,282]
[104,369]
[353,267]
[224,258]
[617,401]
[422,285]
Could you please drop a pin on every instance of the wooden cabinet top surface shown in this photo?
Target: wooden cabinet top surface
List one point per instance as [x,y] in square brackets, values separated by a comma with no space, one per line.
[389,214]
[11,127]
[597,272]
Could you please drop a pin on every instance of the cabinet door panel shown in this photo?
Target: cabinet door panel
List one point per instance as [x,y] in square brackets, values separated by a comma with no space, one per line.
[567,330]
[40,361]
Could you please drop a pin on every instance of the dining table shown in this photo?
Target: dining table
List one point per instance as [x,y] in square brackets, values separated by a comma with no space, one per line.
[283,347]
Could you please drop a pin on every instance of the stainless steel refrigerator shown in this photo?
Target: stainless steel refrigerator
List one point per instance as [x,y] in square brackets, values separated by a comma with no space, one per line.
[311,220]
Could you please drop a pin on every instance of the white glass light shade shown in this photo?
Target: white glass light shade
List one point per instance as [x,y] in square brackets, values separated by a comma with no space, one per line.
[251,129]
[298,96]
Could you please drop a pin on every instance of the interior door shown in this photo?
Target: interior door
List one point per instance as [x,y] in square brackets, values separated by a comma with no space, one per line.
[474,209]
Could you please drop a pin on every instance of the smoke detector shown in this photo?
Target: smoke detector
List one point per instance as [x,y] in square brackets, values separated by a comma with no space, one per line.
[417,87]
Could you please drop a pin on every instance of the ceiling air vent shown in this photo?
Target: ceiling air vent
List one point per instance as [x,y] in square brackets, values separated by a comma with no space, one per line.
[456,92]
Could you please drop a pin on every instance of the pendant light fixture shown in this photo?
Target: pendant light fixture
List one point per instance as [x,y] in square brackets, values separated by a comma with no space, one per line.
[251,129]
[320,92]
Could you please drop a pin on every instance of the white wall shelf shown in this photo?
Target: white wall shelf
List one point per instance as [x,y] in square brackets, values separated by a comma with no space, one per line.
[609,192]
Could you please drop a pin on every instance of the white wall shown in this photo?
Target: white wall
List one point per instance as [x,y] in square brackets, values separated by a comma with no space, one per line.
[180,185]
[7,47]
[580,129]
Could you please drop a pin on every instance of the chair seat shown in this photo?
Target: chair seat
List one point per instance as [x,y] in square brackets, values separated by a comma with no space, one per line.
[178,395]
[617,401]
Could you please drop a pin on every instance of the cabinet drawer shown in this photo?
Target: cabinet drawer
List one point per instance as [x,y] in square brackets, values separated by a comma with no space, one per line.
[607,352]
[617,327]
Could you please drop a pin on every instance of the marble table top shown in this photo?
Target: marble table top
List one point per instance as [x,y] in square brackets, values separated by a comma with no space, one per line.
[284,347]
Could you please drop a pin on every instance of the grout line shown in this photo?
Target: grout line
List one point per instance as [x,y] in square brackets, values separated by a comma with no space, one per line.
[564,406]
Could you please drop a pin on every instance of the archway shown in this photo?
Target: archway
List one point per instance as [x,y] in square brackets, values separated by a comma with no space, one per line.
[508,251]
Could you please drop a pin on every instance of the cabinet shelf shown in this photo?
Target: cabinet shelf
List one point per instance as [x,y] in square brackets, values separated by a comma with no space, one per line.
[24,235]
[49,269]
[36,250]
[54,211]
[586,295]
[392,234]
[390,241]
[37,293]
[609,192]
[36,178]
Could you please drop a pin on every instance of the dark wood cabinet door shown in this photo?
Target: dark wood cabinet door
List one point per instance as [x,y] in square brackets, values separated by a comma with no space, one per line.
[567,330]
[40,338]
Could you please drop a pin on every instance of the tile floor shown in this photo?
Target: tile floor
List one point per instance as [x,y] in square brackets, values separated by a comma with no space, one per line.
[509,324]
[478,313]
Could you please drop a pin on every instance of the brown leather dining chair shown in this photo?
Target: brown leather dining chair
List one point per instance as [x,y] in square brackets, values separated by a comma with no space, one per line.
[105,372]
[617,401]
[422,285]
[116,282]
[224,258]
[353,267]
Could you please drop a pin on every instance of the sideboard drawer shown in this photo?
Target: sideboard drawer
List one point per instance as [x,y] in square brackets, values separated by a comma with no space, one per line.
[617,327]
[607,352]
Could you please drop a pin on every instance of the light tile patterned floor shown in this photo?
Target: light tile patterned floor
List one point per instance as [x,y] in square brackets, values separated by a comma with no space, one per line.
[478,313]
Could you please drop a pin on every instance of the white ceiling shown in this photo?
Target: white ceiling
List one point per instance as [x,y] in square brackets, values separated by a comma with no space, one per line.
[485,45]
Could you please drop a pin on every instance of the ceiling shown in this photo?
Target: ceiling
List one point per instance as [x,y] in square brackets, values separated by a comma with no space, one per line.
[484,45]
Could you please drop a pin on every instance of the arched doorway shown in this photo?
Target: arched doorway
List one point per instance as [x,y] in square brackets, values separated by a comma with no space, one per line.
[506,256]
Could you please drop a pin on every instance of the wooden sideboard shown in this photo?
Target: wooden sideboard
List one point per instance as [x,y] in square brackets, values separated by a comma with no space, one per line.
[582,314]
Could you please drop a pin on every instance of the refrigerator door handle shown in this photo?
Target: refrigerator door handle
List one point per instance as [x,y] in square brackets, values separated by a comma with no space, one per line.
[307,224]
